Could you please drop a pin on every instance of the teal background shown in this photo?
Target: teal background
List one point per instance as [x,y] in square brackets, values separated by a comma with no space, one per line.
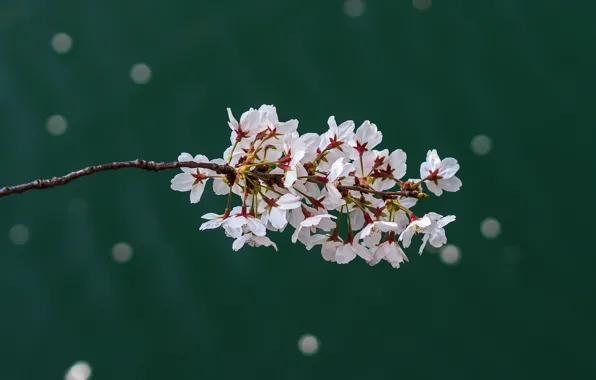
[186,306]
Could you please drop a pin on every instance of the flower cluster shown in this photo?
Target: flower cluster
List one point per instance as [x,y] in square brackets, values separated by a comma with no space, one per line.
[333,189]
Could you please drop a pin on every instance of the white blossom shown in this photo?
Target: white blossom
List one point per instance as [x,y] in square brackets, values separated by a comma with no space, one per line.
[310,223]
[249,125]
[294,151]
[276,211]
[332,189]
[371,233]
[238,220]
[366,138]
[252,240]
[269,119]
[441,173]
[329,250]
[349,250]
[213,221]
[191,179]
[431,225]
[391,252]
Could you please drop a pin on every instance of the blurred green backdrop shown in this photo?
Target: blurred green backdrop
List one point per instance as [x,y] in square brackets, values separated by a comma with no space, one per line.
[185,306]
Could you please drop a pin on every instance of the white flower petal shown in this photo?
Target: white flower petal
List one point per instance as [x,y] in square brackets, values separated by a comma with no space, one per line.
[296,233]
[220,187]
[336,169]
[233,122]
[406,236]
[239,242]
[234,232]
[210,216]
[277,218]
[434,162]
[211,224]
[196,192]
[288,202]
[344,254]
[449,167]
[200,158]
[316,240]
[397,160]
[395,255]
[446,220]
[184,157]
[263,241]
[182,182]
[451,184]
[437,238]
[316,219]
[424,240]
[329,249]
[256,226]
[236,221]
[424,170]
[290,178]
[363,252]
[433,188]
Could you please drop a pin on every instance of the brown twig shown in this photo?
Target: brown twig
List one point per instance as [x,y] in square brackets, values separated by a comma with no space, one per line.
[388,194]
[158,166]
[138,164]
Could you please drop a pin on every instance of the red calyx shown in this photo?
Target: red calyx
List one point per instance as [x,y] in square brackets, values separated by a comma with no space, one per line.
[317,203]
[240,134]
[379,161]
[305,212]
[361,148]
[199,177]
[333,142]
[434,175]
[271,202]
[388,172]
[377,212]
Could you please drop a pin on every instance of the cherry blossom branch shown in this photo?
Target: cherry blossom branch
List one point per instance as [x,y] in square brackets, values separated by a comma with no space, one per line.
[159,166]
[387,194]
[137,164]
[283,178]
[405,193]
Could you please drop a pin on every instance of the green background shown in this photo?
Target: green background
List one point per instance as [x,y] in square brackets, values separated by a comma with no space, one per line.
[186,306]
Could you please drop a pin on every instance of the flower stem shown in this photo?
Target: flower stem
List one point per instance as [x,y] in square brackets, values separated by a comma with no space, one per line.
[232,152]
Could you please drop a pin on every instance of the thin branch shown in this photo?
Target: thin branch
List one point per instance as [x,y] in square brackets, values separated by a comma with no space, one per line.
[137,164]
[158,166]
[387,194]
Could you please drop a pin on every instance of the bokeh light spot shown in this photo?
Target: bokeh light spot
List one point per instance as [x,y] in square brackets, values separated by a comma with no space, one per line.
[56,125]
[19,234]
[490,228]
[79,371]
[481,145]
[140,73]
[122,252]
[308,344]
[450,254]
[354,8]
[422,5]
[61,43]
